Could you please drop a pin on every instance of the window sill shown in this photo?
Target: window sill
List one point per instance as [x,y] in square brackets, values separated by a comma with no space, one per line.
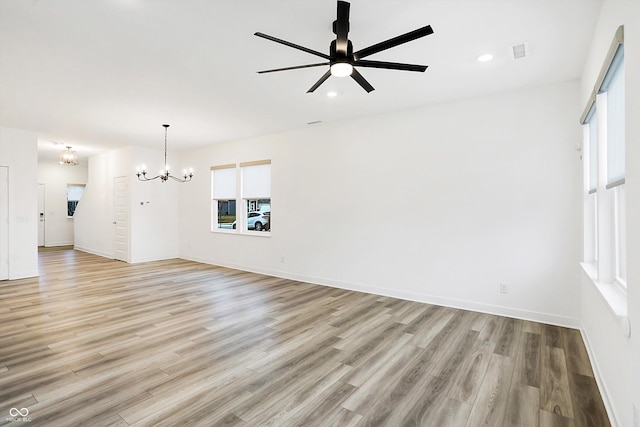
[256,233]
[613,295]
[225,230]
[242,233]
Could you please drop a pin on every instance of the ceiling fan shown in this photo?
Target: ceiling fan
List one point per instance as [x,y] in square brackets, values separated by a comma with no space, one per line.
[342,60]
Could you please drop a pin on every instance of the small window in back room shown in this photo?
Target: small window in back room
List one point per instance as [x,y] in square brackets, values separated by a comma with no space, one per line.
[74,194]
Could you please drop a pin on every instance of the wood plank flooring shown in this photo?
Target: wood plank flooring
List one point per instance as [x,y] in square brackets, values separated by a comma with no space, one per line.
[98,342]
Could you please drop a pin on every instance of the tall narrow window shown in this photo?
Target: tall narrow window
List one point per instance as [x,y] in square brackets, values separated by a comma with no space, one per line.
[591,196]
[256,195]
[621,236]
[223,197]
[74,194]
[592,150]
[605,199]
[613,85]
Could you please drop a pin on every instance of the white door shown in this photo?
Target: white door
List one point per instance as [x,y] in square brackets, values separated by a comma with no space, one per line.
[4,222]
[41,215]
[121,220]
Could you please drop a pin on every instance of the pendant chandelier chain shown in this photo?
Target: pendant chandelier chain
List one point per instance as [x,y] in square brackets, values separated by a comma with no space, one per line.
[165,145]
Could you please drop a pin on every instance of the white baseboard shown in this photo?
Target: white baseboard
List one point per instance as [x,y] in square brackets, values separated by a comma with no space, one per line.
[57,244]
[141,260]
[602,385]
[92,251]
[22,274]
[548,318]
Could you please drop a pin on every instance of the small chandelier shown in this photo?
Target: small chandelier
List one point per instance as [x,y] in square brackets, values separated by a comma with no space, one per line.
[164,174]
[68,157]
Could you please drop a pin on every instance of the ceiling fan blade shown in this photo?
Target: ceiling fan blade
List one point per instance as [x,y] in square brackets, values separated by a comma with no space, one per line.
[296,67]
[361,81]
[404,38]
[320,81]
[391,65]
[341,28]
[293,45]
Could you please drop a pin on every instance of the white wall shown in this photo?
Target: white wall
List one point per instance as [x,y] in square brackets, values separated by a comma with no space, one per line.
[55,177]
[615,357]
[153,207]
[440,205]
[19,151]
[93,224]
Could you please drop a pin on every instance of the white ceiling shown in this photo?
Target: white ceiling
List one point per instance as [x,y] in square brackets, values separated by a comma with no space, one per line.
[101,74]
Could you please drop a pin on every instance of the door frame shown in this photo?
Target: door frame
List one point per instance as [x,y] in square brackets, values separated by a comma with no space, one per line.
[4,222]
[117,221]
[42,215]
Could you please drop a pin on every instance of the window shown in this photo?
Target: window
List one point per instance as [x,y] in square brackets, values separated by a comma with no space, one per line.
[74,194]
[253,215]
[223,197]
[621,235]
[591,194]
[592,147]
[605,197]
[256,193]
[613,86]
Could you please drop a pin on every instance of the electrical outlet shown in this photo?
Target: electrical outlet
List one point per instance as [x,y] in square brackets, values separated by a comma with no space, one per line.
[282,259]
[503,288]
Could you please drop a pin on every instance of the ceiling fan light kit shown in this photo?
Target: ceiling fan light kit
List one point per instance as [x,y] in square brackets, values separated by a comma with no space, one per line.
[341,69]
[342,60]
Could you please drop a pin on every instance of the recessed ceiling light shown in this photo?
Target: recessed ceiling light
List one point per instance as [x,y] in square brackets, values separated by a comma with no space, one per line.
[332,94]
[485,58]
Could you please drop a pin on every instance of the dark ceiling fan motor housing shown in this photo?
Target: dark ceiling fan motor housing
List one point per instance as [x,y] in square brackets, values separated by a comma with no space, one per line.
[341,51]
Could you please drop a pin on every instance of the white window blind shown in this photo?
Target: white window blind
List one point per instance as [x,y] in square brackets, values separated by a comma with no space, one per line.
[256,180]
[592,122]
[613,85]
[224,182]
[74,192]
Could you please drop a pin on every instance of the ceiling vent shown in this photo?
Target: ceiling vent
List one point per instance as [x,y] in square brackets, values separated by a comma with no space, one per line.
[519,51]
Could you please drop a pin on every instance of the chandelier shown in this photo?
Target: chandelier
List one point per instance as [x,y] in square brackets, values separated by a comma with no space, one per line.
[164,174]
[68,157]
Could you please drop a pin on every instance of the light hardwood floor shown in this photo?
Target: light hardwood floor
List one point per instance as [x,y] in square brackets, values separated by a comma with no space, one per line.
[97,342]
